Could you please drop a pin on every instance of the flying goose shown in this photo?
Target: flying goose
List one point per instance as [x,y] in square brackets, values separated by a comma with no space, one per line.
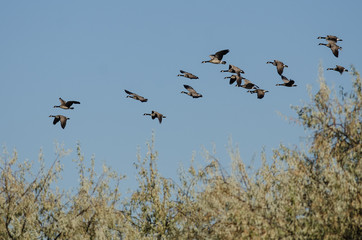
[61,118]
[248,85]
[339,69]
[334,47]
[331,38]
[236,78]
[280,66]
[260,92]
[217,57]
[135,96]
[187,75]
[233,69]
[66,104]
[191,92]
[287,82]
[154,115]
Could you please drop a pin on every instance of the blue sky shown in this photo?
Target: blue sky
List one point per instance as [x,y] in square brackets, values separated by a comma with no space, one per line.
[90,51]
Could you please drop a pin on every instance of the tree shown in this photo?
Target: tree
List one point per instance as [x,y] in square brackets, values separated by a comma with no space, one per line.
[313,194]
[32,209]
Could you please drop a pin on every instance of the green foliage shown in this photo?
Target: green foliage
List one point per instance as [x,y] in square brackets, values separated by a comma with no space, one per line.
[313,194]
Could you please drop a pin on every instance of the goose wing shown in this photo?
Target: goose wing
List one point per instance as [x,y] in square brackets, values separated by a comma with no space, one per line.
[62,102]
[219,55]
[128,92]
[232,79]
[190,89]
[280,67]
[63,121]
[56,119]
[334,48]
[285,79]
[159,116]
[70,103]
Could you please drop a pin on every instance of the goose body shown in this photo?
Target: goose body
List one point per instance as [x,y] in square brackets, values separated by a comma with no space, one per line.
[217,57]
[280,66]
[66,104]
[287,82]
[154,115]
[135,96]
[334,47]
[339,69]
[187,75]
[233,69]
[191,92]
[260,92]
[248,85]
[331,38]
[235,78]
[61,118]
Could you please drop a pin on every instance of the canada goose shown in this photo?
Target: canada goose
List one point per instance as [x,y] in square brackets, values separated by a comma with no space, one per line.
[191,92]
[66,104]
[135,96]
[260,92]
[248,85]
[155,114]
[217,57]
[339,69]
[280,66]
[61,118]
[236,78]
[287,82]
[331,38]
[187,75]
[334,47]
[233,69]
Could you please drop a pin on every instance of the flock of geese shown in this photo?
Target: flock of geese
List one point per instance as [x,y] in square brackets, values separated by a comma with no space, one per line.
[217,59]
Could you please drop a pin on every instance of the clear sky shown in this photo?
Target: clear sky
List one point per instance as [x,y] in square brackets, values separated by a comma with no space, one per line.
[90,51]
